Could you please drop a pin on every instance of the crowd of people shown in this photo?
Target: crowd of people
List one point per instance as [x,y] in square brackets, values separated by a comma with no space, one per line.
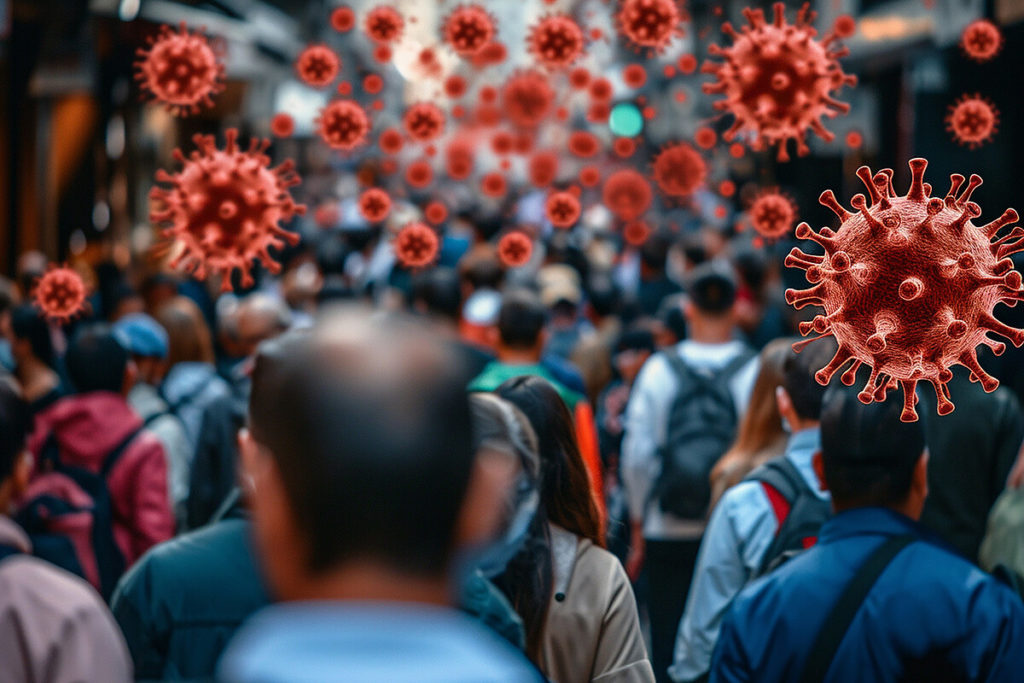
[579,470]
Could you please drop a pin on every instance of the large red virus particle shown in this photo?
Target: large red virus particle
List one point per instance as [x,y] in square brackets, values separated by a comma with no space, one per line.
[562,209]
[459,159]
[384,24]
[649,25]
[374,204]
[981,40]
[223,209]
[423,121]
[60,293]
[416,245]
[515,249]
[527,98]
[543,168]
[468,29]
[908,284]
[318,66]
[973,120]
[772,214]
[778,80]
[627,194]
[343,124]
[679,170]
[556,41]
[180,69]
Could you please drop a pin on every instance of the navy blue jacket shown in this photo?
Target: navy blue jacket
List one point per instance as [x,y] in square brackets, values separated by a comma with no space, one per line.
[931,616]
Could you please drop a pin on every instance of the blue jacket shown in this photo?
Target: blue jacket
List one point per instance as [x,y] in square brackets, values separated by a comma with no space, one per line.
[931,616]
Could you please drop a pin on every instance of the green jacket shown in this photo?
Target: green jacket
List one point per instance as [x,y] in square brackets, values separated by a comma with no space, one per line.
[496,373]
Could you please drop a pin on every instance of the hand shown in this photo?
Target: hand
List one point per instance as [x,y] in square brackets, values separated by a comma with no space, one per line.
[635,559]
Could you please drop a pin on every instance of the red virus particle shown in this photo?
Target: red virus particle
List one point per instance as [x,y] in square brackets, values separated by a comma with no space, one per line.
[416,245]
[579,78]
[778,80]
[494,185]
[556,41]
[634,76]
[590,176]
[374,204]
[627,194]
[459,160]
[343,19]
[343,124]
[584,144]
[282,125]
[599,112]
[384,24]
[981,40]
[455,86]
[542,168]
[373,84]
[844,26]
[326,215]
[382,53]
[390,141]
[736,150]
[501,143]
[515,249]
[727,188]
[527,98]
[687,64]
[492,53]
[428,63]
[59,293]
[523,143]
[419,174]
[908,284]
[179,69]
[423,121]
[854,139]
[318,66]
[705,137]
[436,212]
[624,147]
[635,233]
[344,89]
[772,214]
[973,120]
[562,209]
[649,25]
[679,170]
[601,90]
[223,209]
[468,30]
[488,94]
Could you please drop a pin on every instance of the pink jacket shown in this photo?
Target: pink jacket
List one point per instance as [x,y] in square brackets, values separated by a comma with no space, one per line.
[88,427]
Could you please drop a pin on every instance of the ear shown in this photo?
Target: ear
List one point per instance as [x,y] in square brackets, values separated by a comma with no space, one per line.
[253,465]
[493,336]
[818,463]
[483,506]
[688,310]
[784,401]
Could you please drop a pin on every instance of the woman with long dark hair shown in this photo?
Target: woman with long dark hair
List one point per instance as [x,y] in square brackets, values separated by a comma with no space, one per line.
[573,595]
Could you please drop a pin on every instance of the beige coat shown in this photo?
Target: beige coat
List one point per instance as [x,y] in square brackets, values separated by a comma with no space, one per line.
[54,628]
[592,631]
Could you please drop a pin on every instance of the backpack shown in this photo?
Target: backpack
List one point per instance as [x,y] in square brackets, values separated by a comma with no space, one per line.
[701,427]
[69,517]
[799,513]
[8,551]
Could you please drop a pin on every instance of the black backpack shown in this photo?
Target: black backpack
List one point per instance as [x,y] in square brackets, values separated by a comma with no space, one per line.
[701,427]
[799,513]
[69,516]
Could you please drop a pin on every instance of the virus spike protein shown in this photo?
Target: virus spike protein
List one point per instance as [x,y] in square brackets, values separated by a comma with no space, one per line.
[59,293]
[468,30]
[223,209]
[180,69]
[908,285]
[778,80]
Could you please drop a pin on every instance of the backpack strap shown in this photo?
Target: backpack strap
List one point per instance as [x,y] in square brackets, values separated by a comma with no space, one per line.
[8,551]
[842,614]
[115,455]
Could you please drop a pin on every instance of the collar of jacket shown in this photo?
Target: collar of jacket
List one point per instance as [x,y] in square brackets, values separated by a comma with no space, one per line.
[563,560]
[872,521]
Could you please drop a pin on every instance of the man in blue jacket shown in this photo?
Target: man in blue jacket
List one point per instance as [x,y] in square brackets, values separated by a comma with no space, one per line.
[921,612]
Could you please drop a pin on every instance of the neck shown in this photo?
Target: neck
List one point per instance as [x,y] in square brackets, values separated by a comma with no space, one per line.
[371,582]
[710,332]
[514,356]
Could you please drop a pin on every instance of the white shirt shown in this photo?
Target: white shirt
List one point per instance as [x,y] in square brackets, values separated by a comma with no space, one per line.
[742,527]
[646,426]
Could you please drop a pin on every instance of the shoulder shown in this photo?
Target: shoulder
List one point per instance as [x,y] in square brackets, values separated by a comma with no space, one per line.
[49,596]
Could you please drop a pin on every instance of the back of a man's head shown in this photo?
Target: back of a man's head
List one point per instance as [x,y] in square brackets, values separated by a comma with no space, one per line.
[798,370]
[868,454]
[368,424]
[712,290]
[28,324]
[96,361]
[438,293]
[521,319]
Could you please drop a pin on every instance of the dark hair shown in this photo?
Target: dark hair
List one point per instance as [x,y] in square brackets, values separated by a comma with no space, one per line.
[670,314]
[521,319]
[637,337]
[439,290]
[712,289]
[27,323]
[480,268]
[368,421]
[654,252]
[14,420]
[869,454]
[603,294]
[96,360]
[798,377]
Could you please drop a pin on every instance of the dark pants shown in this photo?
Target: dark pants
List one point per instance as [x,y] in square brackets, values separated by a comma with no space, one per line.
[669,566]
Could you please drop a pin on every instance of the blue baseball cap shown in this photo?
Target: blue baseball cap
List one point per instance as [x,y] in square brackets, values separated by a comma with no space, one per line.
[142,335]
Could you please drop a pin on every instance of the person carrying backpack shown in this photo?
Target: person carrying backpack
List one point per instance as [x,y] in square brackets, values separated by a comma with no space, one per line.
[682,416]
[759,523]
[98,495]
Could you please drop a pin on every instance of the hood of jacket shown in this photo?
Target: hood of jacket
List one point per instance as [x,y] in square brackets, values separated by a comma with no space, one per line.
[87,426]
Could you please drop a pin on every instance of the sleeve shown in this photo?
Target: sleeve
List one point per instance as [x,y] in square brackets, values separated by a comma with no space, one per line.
[646,415]
[144,628]
[1008,438]
[992,644]
[91,648]
[153,518]
[621,655]
[729,663]
[740,529]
